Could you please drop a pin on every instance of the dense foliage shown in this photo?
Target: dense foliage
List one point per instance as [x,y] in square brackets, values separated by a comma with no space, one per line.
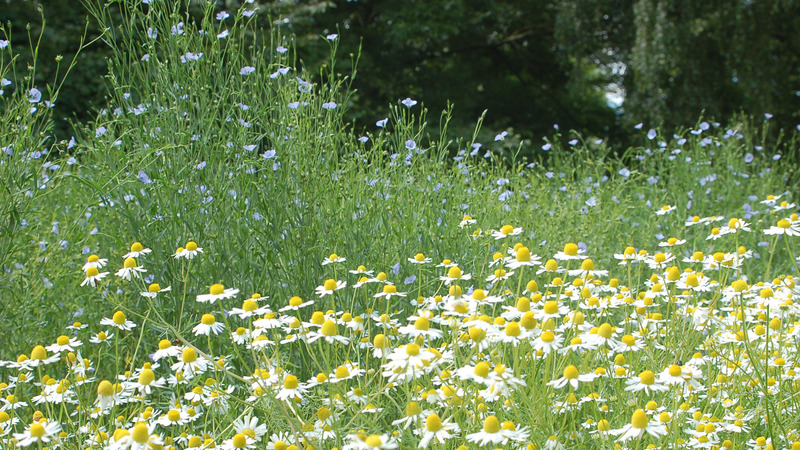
[531,64]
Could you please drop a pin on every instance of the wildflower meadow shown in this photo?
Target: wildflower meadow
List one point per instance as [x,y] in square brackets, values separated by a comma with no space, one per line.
[219,260]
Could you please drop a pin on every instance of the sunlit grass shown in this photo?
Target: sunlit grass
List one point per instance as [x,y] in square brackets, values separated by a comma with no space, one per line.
[220,260]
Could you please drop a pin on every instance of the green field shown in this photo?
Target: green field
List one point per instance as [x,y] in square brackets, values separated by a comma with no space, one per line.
[389,288]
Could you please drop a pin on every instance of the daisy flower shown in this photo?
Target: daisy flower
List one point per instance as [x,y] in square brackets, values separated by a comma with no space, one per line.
[491,433]
[189,252]
[295,304]
[454,274]
[249,426]
[173,417]
[146,382]
[78,326]
[734,225]
[64,344]
[94,261]
[407,360]
[41,432]
[571,252]
[208,324]
[467,220]
[249,309]
[523,257]
[334,258]
[587,270]
[419,258]
[499,275]
[629,256]
[165,350]
[130,270]
[436,429]
[154,289]
[573,378]
[101,338]
[548,342]
[672,375]
[672,242]
[190,364]
[646,382]
[666,209]
[291,390]
[512,334]
[239,440]
[136,251]
[420,327]
[93,276]
[784,227]
[217,292]
[329,287]
[118,320]
[362,270]
[329,332]
[659,260]
[389,291]
[505,231]
[359,441]
[639,426]
[140,437]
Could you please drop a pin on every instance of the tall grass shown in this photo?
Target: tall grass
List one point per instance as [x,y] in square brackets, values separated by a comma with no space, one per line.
[215,134]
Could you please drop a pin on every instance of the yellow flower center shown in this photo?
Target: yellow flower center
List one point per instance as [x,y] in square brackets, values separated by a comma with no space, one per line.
[551,307]
[628,340]
[433,423]
[512,329]
[548,336]
[605,331]
[507,229]
[38,353]
[523,254]
[639,419]
[139,434]
[330,284]
[62,340]
[291,382]
[422,323]
[571,372]
[37,430]
[105,389]
[412,349]
[342,372]
[239,440]
[675,370]
[136,247]
[119,318]
[189,355]
[208,319]
[129,262]
[647,377]
[390,289]
[329,328]
[491,425]
[454,273]
[571,249]
[419,257]
[216,289]
[146,377]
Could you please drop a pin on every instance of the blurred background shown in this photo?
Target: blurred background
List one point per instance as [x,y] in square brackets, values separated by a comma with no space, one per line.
[596,66]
